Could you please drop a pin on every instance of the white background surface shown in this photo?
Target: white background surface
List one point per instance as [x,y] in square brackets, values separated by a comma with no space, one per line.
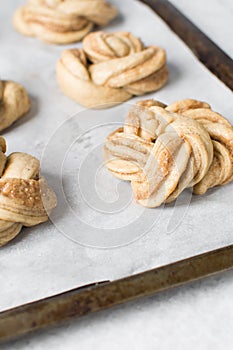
[199,315]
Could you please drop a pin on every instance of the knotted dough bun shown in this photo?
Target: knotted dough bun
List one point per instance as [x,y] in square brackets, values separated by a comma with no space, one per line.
[164,149]
[25,198]
[62,21]
[110,69]
[14,103]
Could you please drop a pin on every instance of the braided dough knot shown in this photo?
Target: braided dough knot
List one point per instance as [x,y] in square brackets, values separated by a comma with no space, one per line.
[14,103]
[221,133]
[25,198]
[62,21]
[111,68]
[164,149]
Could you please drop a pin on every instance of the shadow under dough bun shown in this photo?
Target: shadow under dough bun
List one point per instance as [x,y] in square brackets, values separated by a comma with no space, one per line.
[14,103]
[62,21]
[110,69]
[164,149]
[25,198]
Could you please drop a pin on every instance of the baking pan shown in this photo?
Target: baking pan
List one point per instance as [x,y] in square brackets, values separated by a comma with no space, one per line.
[188,253]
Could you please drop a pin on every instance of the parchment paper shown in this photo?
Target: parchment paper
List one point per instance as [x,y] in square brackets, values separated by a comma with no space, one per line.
[109,236]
